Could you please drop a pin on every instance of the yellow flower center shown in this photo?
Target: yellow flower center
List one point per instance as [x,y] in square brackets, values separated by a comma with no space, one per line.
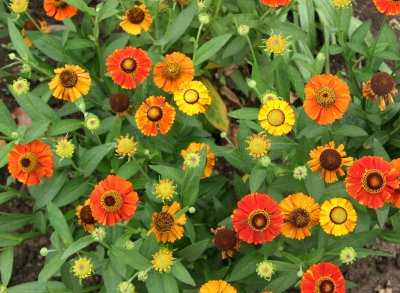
[163,222]
[276,117]
[19,6]
[82,268]
[154,114]
[68,78]
[28,162]
[258,146]
[171,71]
[59,3]
[341,3]
[111,201]
[259,220]
[325,285]
[135,15]
[338,215]
[165,189]
[276,44]
[128,65]
[191,96]
[163,260]
[330,159]
[326,96]
[373,181]
[86,215]
[299,218]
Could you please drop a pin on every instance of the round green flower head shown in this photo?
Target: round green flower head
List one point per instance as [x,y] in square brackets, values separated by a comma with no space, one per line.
[300,173]
[126,287]
[21,86]
[142,276]
[99,234]
[348,255]
[265,270]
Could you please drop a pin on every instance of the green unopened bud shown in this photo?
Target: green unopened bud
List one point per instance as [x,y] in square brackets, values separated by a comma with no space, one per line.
[142,276]
[265,270]
[204,18]
[243,30]
[348,255]
[269,96]
[223,135]
[26,68]
[300,273]
[14,135]
[300,173]
[44,251]
[147,153]
[3,289]
[126,287]
[129,245]
[251,83]
[265,161]
[12,56]
[192,160]
[321,56]
[192,210]
[92,122]
[99,234]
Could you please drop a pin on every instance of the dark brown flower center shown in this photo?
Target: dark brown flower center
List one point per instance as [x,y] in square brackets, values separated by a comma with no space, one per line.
[330,159]
[374,181]
[338,215]
[68,78]
[119,102]
[191,96]
[325,96]
[128,65]
[28,162]
[325,285]
[299,218]
[86,215]
[276,117]
[29,26]
[154,114]
[135,15]
[163,222]
[111,201]
[225,239]
[382,83]
[171,71]
[259,220]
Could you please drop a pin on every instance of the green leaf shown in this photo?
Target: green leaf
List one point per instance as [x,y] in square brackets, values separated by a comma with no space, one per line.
[14,221]
[169,172]
[36,287]
[16,38]
[52,267]
[71,191]
[82,6]
[245,266]
[91,158]
[382,215]
[131,258]
[350,131]
[257,177]
[63,126]
[36,130]
[4,153]
[6,264]
[380,151]
[57,220]
[194,251]
[182,274]
[77,246]
[161,283]
[361,32]
[111,278]
[315,185]
[210,48]
[247,113]
[7,123]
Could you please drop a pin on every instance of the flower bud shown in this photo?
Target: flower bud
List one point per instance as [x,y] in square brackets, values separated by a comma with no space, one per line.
[321,56]
[3,289]
[129,245]
[142,276]
[12,56]
[192,210]
[192,160]
[300,173]
[300,273]
[223,135]
[265,270]
[204,18]
[265,161]
[126,287]
[348,255]
[243,30]
[99,234]
[26,68]
[44,251]
[21,86]
[92,122]
[251,83]
[14,135]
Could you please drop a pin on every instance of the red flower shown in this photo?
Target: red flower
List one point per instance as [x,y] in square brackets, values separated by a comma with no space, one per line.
[371,180]
[394,197]
[323,277]
[128,67]
[275,3]
[389,7]
[257,218]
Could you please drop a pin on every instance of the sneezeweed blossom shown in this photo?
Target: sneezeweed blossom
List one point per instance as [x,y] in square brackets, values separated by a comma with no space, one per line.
[65,148]
[348,255]
[125,146]
[257,218]
[371,180]
[82,268]
[85,217]
[192,97]
[128,67]
[170,74]
[258,145]
[381,86]
[165,226]
[389,7]
[192,160]
[92,122]
[276,44]
[327,98]
[300,213]
[29,162]
[195,147]
[338,216]
[394,197]
[19,6]
[219,286]
[300,173]
[136,19]
[155,115]
[165,189]
[275,3]
[20,86]
[330,160]
[126,287]
[341,3]
[277,117]
[265,270]
[59,9]
[113,200]
[323,277]
[163,260]
[226,240]
[120,104]
[98,234]
[70,83]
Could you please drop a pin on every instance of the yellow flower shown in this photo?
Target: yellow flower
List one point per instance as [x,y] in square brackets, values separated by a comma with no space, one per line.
[265,270]
[348,255]
[92,122]
[82,268]
[276,117]
[192,97]
[219,286]
[276,44]
[163,260]
[165,189]
[136,19]
[20,86]
[65,148]
[338,216]
[258,145]
[126,146]
[19,6]
[195,148]
[341,3]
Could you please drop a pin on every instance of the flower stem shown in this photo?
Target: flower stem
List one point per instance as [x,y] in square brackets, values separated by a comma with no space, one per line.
[251,48]
[33,21]
[196,43]
[375,43]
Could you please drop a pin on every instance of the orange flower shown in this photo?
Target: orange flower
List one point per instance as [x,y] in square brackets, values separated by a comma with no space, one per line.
[327,98]
[59,9]
[394,197]
[85,217]
[29,162]
[170,74]
[371,180]
[323,277]
[29,26]
[226,240]
[276,3]
[389,7]
[195,147]
[128,67]
[112,200]
[155,114]
[382,86]
[257,218]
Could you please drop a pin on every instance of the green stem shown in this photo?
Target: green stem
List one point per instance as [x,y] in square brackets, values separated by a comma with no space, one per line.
[217,8]
[141,169]
[196,43]
[251,48]
[375,43]
[33,21]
